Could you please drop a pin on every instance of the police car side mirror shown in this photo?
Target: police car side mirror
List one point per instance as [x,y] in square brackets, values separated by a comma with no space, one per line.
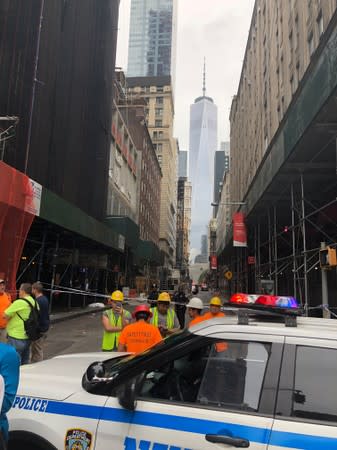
[127,393]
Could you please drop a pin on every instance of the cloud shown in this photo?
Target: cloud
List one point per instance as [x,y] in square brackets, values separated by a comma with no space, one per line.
[218,32]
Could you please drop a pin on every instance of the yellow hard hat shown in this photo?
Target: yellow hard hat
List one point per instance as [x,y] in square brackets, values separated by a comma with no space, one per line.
[117,296]
[164,297]
[215,301]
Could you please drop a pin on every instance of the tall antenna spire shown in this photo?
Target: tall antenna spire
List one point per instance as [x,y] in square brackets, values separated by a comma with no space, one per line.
[204,79]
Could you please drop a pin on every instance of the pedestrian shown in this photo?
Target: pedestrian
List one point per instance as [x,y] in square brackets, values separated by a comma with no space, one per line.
[163,316]
[194,309]
[140,335]
[36,349]
[5,301]
[16,314]
[9,371]
[114,320]
[214,309]
[153,296]
[180,300]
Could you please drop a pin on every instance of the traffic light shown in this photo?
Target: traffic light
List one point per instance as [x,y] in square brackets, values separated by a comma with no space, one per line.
[327,258]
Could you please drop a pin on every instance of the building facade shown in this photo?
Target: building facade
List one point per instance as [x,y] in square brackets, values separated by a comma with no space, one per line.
[158,95]
[221,165]
[62,141]
[150,174]
[283,152]
[224,220]
[124,164]
[282,39]
[183,164]
[152,38]
[203,144]
[183,223]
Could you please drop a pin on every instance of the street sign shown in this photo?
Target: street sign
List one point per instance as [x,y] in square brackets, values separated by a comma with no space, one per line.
[228,275]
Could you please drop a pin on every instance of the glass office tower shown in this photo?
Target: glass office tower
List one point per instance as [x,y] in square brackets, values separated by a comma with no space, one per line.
[152,38]
[203,144]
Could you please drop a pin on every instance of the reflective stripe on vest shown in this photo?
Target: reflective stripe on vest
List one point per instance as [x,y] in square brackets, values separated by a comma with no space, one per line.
[110,340]
[169,318]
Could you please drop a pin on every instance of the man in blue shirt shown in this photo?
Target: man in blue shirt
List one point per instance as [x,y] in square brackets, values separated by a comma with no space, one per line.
[9,370]
[36,347]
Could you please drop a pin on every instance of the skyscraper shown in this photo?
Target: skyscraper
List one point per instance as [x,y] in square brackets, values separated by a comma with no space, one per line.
[152,38]
[203,144]
[182,163]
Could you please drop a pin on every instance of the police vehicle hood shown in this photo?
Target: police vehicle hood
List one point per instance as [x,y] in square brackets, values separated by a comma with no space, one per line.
[59,377]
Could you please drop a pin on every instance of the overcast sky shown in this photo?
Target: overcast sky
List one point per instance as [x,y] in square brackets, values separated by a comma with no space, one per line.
[216,29]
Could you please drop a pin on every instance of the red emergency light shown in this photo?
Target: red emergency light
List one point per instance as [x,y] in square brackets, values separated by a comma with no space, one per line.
[268,301]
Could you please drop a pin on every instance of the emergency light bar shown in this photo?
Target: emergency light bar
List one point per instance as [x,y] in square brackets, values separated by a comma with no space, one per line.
[262,300]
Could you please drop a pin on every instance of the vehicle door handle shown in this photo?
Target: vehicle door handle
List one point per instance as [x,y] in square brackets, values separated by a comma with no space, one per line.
[228,440]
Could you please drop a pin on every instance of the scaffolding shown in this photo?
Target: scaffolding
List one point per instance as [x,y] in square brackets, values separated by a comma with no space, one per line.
[285,242]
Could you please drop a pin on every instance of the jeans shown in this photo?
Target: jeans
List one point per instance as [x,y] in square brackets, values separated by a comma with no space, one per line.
[22,346]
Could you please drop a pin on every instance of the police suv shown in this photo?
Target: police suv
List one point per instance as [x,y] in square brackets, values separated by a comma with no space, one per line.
[246,380]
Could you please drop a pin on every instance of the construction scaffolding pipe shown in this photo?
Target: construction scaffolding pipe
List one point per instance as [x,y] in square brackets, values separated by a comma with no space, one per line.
[275,253]
[293,239]
[305,263]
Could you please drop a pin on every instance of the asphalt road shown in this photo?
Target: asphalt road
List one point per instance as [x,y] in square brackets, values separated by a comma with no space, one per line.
[82,334]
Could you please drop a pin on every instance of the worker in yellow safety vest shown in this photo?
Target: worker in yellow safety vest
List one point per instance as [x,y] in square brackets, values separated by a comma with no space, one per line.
[113,321]
[163,316]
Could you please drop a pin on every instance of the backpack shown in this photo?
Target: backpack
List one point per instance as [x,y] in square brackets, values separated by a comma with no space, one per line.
[32,323]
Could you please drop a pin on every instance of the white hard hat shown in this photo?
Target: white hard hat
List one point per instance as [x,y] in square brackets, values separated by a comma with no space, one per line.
[196,303]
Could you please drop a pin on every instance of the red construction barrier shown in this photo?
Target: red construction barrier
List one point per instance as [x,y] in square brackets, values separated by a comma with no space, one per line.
[16,199]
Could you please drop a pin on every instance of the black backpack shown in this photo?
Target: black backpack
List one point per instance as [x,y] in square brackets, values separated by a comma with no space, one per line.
[32,323]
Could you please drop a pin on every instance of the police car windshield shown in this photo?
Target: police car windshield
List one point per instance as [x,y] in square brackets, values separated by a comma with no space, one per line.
[115,365]
[98,377]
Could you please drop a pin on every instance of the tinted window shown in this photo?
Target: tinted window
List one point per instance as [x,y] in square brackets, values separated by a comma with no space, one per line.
[314,392]
[234,375]
[221,374]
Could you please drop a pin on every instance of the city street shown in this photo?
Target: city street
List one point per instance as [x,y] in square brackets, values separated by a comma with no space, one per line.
[82,334]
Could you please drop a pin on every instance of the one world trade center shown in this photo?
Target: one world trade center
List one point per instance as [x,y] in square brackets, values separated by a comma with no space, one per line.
[203,144]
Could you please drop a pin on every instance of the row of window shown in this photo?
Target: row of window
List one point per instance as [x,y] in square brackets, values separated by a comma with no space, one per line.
[230,375]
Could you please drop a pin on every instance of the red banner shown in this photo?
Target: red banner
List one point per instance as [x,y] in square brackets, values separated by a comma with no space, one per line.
[251,260]
[239,230]
[214,262]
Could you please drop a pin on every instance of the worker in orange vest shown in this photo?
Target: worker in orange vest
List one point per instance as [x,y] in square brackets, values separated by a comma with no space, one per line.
[140,335]
[5,301]
[214,309]
[194,309]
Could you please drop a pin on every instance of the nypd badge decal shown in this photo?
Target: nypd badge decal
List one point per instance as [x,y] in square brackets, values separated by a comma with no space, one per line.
[77,439]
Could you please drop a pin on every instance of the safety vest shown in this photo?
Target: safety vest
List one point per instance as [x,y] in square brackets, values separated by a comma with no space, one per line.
[110,340]
[169,318]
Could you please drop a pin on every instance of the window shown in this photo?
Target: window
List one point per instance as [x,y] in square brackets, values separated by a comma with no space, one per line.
[320,24]
[220,374]
[311,44]
[155,134]
[159,111]
[158,123]
[315,367]
[160,100]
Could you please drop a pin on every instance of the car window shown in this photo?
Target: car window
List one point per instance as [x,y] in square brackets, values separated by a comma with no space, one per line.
[314,391]
[178,379]
[227,374]
[234,375]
